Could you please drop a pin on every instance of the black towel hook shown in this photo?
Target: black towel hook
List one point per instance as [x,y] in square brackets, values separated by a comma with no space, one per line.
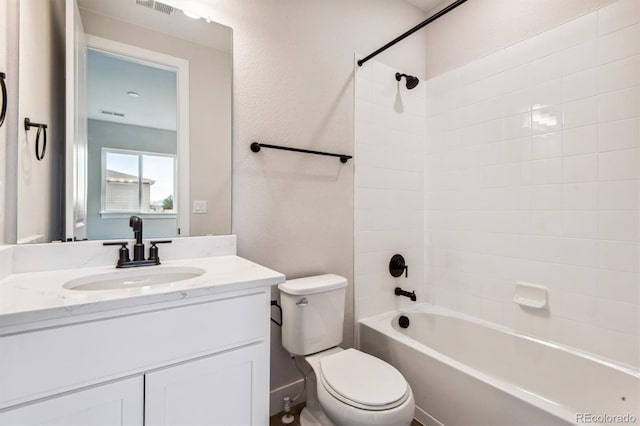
[3,86]
[28,124]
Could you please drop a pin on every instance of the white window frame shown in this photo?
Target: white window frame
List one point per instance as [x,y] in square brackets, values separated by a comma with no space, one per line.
[118,214]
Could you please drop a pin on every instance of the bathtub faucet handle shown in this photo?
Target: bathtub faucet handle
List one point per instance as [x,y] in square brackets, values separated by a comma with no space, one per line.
[397,266]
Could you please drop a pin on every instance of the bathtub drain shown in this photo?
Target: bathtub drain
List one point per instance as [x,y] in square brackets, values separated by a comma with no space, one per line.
[403,321]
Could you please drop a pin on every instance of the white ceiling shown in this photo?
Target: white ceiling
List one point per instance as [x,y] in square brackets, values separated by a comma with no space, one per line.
[426,5]
[109,78]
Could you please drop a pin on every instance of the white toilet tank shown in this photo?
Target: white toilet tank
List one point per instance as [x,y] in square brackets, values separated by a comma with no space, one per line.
[312,313]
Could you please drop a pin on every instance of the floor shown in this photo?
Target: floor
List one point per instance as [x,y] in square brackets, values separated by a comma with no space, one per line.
[276,419]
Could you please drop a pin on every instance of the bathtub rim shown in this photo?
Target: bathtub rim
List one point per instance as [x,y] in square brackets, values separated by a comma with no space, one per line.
[383,323]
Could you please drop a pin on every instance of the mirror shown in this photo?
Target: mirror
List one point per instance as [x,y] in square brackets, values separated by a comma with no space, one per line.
[149,121]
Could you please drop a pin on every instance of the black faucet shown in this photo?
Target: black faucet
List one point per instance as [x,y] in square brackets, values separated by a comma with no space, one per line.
[135,222]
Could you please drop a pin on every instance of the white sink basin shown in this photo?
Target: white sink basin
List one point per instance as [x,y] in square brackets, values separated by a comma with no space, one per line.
[131,278]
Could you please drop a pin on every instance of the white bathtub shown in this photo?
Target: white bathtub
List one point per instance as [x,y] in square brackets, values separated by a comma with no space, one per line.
[465,371]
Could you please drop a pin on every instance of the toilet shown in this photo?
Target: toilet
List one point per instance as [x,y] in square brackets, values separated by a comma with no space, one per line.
[345,386]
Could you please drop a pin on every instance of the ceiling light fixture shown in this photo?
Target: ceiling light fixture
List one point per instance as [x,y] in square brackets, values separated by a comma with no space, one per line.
[133,94]
[192,15]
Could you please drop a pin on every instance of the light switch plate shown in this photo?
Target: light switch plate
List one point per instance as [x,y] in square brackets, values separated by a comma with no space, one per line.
[199,206]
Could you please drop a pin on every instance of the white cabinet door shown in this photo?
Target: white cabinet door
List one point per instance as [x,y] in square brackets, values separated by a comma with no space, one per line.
[230,388]
[117,403]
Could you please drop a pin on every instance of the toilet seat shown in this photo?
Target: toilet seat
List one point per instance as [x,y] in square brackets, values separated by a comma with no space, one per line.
[363,381]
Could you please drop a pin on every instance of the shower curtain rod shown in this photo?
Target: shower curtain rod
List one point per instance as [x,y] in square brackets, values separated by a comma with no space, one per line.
[423,24]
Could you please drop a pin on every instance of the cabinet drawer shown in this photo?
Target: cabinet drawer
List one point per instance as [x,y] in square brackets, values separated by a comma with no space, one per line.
[41,363]
[114,404]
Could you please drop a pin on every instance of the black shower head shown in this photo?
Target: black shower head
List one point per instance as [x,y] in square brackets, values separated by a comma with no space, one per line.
[411,80]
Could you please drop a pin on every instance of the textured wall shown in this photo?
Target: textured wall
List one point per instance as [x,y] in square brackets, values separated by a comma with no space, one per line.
[532,174]
[293,85]
[480,27]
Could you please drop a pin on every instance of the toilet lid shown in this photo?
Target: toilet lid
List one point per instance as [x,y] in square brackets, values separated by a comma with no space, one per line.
[363,379]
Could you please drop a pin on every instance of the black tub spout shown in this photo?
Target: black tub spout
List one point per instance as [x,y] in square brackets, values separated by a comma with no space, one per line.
[400,292]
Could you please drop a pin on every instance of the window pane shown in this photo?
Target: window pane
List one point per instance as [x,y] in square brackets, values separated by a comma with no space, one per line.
[121,182]
[158,183]
[123,163]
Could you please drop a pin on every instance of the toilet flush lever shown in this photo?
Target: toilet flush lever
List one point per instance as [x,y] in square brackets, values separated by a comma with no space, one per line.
[303,302]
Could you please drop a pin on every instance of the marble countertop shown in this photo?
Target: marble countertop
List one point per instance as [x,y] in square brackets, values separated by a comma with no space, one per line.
[38,296]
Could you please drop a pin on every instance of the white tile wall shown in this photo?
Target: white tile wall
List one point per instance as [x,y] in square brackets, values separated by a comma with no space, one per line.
[532,170]
[389,181]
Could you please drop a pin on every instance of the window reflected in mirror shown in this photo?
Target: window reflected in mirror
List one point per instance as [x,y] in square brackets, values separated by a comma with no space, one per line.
[136,182]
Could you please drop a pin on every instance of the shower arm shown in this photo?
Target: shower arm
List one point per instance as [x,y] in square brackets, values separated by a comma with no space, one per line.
[421,25]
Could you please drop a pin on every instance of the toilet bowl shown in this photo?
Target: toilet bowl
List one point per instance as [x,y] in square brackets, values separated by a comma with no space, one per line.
[354,388]
[344,387]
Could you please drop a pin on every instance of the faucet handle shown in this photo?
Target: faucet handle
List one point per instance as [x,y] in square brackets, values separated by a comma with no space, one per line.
[397,266]
[153,250]
[123,253]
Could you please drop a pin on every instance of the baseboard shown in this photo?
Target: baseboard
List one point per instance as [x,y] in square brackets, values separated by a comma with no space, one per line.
[276,396]
[424,418]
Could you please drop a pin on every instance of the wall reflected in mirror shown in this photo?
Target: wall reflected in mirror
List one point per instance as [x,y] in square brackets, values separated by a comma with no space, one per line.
[133,145]
[159,134]
[148,125]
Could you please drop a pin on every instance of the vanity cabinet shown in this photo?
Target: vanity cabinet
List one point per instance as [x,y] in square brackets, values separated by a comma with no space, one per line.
[205,361]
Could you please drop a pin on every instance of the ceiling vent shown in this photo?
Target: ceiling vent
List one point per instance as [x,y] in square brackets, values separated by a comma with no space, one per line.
[163,8]
[156,5]
[117,114]
[145,3]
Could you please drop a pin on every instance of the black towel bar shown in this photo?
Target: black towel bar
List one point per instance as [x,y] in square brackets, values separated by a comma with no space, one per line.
[256,146]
